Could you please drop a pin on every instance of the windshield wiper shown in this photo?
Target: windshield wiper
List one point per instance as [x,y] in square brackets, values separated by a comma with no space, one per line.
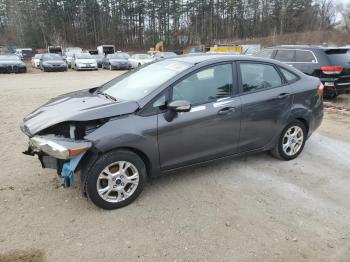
[107,95]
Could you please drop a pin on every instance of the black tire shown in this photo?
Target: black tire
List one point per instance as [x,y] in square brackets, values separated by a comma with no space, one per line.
[104,161]
[278,151]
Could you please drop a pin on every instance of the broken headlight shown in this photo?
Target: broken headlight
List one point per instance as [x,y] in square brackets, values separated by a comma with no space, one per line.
[58,147]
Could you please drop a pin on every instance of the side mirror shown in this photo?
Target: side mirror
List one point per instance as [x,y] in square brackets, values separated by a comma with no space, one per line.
[179,106]
[176,106]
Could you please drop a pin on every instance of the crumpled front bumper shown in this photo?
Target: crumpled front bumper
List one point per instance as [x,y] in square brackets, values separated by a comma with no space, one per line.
[58,153]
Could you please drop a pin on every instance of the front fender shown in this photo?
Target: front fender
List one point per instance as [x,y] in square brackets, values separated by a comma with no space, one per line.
[131,131]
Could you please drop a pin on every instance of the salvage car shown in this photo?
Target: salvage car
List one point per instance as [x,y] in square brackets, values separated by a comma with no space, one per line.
[330,64]
[83,61]
[172,114]
[36,60]
[137,60]
[52,63]
[118,60]
[12,64]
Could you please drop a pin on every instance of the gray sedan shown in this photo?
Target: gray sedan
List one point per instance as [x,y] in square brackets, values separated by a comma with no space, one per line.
[116,61]
[171,114]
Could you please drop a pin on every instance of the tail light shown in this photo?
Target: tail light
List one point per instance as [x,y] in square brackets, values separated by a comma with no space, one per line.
[320,89]
[332,70]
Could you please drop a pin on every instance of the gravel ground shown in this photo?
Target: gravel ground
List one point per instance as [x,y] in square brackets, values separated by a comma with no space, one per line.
[254,208]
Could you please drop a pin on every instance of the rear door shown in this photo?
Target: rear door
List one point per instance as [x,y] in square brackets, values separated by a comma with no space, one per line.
[266,102]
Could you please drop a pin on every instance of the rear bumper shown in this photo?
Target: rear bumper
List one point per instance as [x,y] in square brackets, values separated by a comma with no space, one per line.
[335,86]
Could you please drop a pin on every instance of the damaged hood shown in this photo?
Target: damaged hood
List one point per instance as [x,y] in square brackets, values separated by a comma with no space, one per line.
[76,106]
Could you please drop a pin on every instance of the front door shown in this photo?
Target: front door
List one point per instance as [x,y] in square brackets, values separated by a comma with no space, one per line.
[211,129]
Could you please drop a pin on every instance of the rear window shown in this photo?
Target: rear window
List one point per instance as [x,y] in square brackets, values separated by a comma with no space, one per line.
[285,55]
[339,56]
[304,56]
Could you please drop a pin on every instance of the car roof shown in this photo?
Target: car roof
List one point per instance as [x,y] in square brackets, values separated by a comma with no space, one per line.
[201,58]
[307,47]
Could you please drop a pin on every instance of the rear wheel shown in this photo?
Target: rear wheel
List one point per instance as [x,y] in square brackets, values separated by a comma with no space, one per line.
[291,141]
[116,179]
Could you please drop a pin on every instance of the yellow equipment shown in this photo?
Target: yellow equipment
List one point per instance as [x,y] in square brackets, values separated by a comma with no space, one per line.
[224,49]
[158,48]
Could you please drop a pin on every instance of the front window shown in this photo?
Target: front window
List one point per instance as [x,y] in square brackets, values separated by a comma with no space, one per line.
[139,83]
[205,86]
[9,58]
[266,53]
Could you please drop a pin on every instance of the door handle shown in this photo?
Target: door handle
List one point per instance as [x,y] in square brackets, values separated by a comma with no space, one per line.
[226,110]
[283,95]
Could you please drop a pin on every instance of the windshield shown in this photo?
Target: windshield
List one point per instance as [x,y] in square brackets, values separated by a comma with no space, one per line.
[137,84]
[37,56]
[83,56]
[52,57]
[143,56]
[166,54]
[9,58]
[118,56]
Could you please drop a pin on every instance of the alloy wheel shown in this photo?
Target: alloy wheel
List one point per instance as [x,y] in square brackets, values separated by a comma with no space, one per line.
[293,140]
[118,181]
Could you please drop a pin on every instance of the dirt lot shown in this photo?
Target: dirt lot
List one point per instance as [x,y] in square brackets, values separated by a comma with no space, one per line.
[255,208]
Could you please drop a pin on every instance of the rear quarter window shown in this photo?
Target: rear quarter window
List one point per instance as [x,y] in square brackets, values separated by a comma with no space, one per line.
[305,56]
[288,75]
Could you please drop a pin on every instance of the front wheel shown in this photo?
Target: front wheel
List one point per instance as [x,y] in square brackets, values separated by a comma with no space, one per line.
[116,179]
[291,141]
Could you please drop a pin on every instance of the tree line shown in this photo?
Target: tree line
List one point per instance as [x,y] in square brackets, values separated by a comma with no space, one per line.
[139,24]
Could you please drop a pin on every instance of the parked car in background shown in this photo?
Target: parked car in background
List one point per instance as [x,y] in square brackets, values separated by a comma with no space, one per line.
[36,61]
[55,50]
[137,60]
[171,114]
[161,55]
[68,57]
[105,49]
[99,59]
[83,61]
[12,64]
[69,52]
[330,64]
[118,60]
[52,63]
[24,53]
[73,50]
